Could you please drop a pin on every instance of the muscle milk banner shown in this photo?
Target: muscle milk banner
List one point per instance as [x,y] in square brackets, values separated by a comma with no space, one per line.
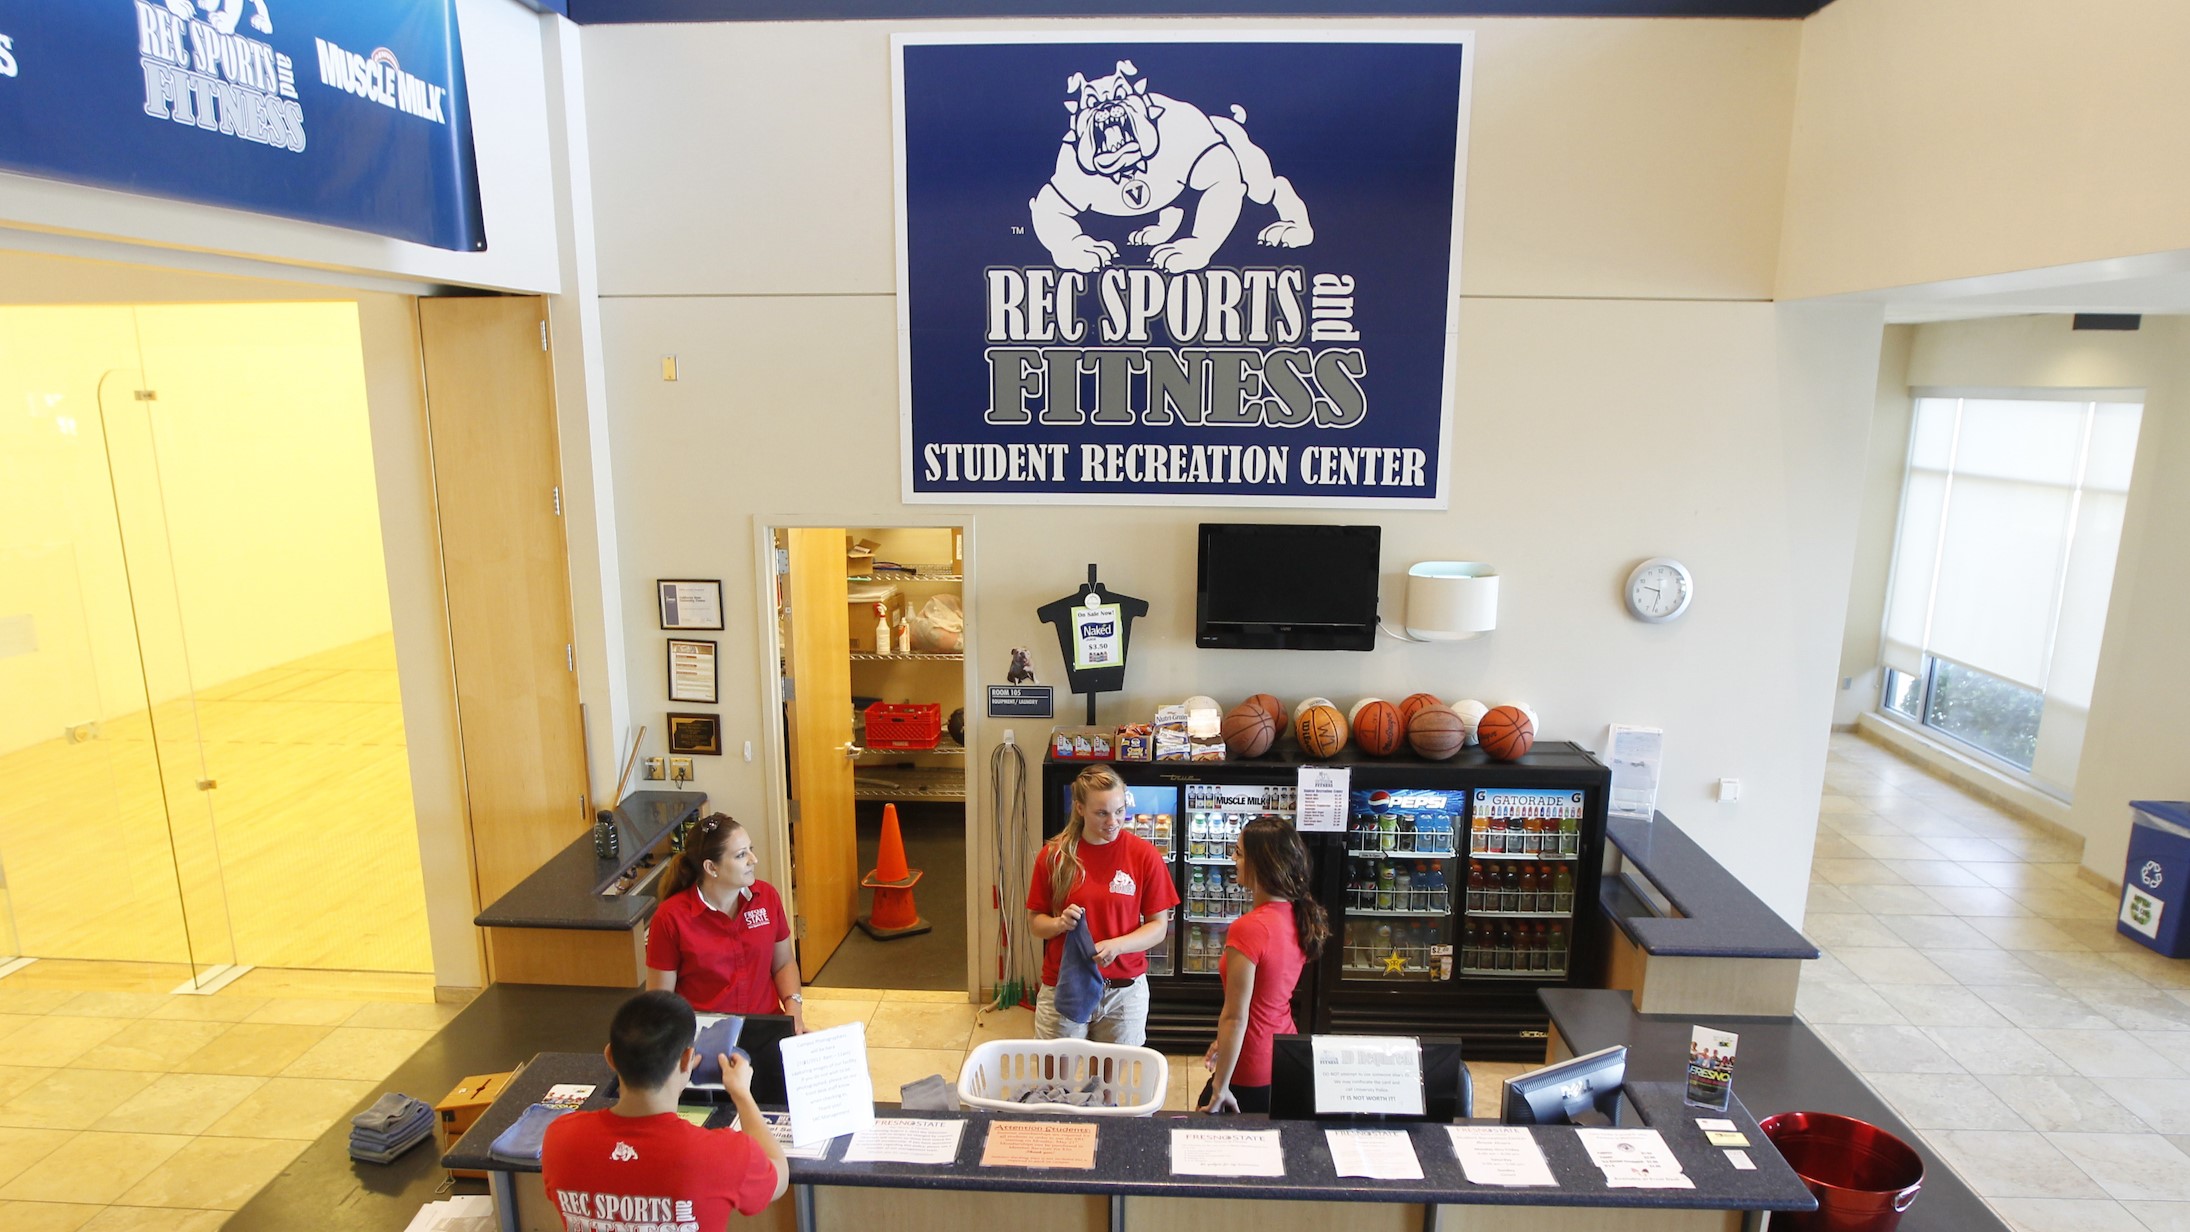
[350,113]
[1186,270]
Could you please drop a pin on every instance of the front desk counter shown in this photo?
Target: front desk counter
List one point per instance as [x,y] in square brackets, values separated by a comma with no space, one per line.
[1131,1185]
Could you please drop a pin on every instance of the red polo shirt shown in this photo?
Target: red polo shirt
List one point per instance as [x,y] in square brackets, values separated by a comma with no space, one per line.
[724,960]
[1266,935]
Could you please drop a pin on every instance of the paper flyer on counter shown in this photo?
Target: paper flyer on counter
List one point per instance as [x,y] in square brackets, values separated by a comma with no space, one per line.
[1710,1067]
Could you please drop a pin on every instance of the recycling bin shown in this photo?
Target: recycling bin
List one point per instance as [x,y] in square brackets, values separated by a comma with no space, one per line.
[2154,879]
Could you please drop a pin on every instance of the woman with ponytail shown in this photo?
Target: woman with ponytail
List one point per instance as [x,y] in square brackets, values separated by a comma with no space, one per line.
[1098,871]
[721,939]
[1264,951]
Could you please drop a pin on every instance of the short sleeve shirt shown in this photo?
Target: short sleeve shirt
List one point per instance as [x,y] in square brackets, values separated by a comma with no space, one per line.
[661,1173]
[724,960]
[1125,880]
[1267,937]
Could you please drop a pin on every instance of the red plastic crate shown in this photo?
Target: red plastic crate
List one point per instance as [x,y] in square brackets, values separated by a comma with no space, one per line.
[904,725]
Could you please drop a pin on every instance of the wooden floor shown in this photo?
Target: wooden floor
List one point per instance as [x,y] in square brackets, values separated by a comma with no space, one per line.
[304,856]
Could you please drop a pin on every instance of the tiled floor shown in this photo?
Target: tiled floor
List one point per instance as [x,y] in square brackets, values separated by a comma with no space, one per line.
[1978,984]
[124,1107]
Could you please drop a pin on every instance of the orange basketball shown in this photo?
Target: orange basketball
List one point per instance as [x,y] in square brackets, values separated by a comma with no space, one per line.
[1415,704]
[1436,732]
[1377,728]
[1321,730]
[1248,731]
[1269,706]
[1505,733]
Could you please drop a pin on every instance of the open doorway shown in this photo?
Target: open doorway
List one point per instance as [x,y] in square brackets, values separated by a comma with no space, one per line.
[871,637]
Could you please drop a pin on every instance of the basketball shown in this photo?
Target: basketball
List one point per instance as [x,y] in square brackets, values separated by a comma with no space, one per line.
[1437,733]
[1415,704]
[1377,728]
[1471,714]
[1505,733]
[1321,730]
[1302,708]
[1248,731]
[1269,706]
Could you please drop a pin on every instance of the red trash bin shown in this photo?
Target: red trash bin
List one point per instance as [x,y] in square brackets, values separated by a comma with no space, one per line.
[1864,1177]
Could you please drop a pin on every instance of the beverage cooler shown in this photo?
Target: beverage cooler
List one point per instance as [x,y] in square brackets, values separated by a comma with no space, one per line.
[1456,890]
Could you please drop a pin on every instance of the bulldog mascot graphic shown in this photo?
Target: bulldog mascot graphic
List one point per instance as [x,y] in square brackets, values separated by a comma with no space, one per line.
[1131,153]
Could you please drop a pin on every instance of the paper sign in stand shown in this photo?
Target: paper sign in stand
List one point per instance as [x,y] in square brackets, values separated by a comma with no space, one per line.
[1367,1073]
[825,1082]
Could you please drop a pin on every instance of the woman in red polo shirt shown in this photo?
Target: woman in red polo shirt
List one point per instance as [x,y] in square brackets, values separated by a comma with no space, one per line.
[1264,951]
[721,939]
[1118,881]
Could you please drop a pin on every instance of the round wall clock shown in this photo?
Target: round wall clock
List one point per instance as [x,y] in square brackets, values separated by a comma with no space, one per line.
[1659,589]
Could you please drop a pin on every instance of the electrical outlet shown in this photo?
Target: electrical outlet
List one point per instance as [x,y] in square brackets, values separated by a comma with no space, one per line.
[656,769]
[680,769]
[1729,790]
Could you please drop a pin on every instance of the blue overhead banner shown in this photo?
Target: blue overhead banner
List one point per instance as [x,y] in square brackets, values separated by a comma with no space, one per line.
[1180,270]
[351,113]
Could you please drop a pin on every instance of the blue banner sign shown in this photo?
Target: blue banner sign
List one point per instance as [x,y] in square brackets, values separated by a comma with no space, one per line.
[1180,270]
[351,113]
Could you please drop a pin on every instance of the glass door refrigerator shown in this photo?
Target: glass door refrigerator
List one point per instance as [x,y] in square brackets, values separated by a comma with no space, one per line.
[1462,889]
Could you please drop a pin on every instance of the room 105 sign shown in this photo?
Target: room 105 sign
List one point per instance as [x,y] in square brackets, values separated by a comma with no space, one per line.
[1193,270]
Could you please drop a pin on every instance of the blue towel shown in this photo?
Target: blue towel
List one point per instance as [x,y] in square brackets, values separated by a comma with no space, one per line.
[390,1109]
[520,1143]
[715,1039]
[1079,980]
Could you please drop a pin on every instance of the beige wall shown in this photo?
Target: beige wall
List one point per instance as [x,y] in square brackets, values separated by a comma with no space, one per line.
[1938,139]
[2132,743]
[1620,379]
[1885,463]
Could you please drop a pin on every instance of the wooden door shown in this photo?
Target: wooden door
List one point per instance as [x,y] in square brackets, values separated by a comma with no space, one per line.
[819,728]
[490,410]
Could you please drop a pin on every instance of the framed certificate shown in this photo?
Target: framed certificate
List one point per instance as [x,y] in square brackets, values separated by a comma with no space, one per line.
[690,604]
[692,673]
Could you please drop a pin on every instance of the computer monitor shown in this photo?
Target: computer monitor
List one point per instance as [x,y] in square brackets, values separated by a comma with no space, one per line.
[1448,1094]
[1583,1090]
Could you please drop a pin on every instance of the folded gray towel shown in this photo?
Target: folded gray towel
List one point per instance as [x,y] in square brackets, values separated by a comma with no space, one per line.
[390,1109]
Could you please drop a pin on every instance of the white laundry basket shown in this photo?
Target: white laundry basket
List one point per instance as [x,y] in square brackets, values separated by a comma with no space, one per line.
[1131,1081]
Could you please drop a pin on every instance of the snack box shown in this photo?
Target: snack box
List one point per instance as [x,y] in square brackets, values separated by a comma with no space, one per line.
[1136,742]
[1082,743]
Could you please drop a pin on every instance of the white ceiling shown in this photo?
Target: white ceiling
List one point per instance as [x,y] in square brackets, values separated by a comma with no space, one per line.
[2157,283]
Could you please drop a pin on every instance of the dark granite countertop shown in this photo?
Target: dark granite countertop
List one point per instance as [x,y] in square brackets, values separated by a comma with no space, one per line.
[1133,1157]
[566,891]
[1780,1066]
[1719,917]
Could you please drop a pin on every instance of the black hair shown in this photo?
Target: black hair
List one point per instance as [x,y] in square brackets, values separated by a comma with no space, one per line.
[648,1037]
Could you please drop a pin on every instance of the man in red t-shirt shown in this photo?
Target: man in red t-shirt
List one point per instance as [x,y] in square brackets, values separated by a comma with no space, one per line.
[638,1164]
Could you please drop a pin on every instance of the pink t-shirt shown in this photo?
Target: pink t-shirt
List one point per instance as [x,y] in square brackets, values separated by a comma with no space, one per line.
[1266,936]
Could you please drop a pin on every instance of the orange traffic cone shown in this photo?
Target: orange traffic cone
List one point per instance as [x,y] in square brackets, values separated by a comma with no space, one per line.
[894,915]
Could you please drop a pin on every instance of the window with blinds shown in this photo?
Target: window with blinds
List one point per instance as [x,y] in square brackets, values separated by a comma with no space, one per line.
[2003,562]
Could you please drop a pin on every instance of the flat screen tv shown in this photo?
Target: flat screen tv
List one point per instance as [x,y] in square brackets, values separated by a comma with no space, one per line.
[1272,586]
